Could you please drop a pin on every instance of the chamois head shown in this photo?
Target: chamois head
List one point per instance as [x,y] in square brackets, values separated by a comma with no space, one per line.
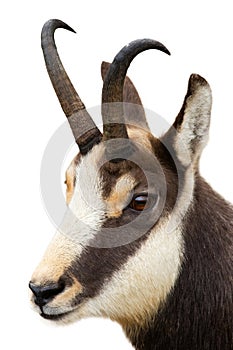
[120,247]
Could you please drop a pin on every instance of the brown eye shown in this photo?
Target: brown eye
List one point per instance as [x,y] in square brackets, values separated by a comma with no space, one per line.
[138,203]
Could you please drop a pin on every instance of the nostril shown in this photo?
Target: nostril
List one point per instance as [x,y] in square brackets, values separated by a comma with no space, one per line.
[44,294]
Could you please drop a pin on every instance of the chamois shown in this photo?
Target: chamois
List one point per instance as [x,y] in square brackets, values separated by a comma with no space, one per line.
[146,241]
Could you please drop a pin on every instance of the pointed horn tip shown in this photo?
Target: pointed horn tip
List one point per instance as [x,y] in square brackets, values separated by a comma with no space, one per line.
[55,24]
[164,49]
[159,45]
[168,52]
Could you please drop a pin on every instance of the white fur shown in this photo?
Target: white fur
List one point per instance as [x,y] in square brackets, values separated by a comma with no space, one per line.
[81,222]
[87,208]
[134,293]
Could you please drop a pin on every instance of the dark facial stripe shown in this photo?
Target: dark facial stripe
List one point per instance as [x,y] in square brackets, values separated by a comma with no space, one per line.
[97,265]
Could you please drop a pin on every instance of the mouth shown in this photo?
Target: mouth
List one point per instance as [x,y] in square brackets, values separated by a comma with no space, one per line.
[55,317]
[56,313]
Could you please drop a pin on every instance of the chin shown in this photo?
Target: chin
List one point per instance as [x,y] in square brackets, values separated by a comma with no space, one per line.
[63,316]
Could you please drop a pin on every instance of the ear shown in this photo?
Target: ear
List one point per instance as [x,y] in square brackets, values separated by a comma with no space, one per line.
[190,131]
[134,111]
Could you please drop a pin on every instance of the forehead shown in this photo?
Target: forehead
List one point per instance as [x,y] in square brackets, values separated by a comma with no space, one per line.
[94,172]
[137,135]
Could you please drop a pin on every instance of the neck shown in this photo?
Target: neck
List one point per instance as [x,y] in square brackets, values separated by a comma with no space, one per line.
[197,313]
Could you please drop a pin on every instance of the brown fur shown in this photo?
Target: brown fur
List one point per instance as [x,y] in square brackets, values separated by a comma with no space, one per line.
[189,306]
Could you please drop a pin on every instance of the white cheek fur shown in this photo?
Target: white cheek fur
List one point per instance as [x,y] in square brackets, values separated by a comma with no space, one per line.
[135,292]
[86,210]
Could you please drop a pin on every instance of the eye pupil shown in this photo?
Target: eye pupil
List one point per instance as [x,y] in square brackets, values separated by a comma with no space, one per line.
[138,203]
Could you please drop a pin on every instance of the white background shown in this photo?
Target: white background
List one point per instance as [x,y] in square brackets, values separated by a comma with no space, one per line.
[199,36]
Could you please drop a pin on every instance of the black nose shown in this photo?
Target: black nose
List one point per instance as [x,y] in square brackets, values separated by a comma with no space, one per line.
[44,294]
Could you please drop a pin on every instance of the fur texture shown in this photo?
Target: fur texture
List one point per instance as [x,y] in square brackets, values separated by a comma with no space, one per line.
[169,283]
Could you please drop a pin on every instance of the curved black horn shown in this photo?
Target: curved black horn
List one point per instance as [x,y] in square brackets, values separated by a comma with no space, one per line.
[112,113]
[84,129]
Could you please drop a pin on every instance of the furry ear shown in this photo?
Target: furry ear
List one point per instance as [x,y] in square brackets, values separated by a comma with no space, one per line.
[190,131]
[134,111]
